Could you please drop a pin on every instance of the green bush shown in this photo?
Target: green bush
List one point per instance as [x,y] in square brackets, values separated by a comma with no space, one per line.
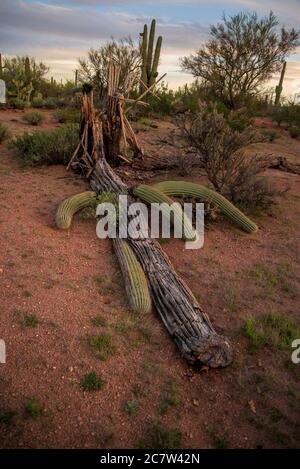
[34,118]
[51,103]
[289,114]
[17,103]
[38,102]
[295,132]
[67,116]
[42,147]
[4,132]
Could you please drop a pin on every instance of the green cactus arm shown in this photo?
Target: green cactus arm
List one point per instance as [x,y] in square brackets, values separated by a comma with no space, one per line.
[155,60]
[150,48]
[150,195]
[189,189]
[72,205]
[136,283]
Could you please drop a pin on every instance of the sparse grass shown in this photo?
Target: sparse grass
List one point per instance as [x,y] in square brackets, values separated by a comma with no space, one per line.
[275,415]
[219,443]
[160,437]
[7,416]
[170,399]
[99,321]
[34,409]
[4,132]
[277,276]
[91,382]
[131,407]
[137,390]
[34,117]
[102,344]
[271,330]
[29,320]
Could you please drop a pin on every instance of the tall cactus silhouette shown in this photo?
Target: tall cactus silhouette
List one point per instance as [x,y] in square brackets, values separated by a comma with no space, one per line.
[278,89]
[149,60]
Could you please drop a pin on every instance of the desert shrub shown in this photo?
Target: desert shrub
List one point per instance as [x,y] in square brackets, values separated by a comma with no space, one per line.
[4,132]
[294,132]
[288,114]
[17,103]
[67,116]
[42,147]
[38,102]
[34,118]
[228,168]
[51,103]
[269,135]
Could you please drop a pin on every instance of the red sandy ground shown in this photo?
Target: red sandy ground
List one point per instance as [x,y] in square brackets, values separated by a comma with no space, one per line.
[53,274]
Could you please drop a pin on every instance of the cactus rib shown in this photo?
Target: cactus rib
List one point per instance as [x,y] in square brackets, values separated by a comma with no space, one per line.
[190,189]
[72,205]
[136,283]
[151,194]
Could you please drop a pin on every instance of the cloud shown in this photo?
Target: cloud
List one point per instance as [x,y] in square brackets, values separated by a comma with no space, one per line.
[60,32]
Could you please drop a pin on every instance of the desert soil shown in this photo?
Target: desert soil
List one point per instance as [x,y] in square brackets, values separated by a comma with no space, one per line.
[60,281]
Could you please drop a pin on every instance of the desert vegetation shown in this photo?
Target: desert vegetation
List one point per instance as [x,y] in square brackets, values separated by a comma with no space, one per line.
[138,333]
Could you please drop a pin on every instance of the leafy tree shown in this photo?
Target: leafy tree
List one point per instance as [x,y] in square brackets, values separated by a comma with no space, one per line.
[122,52]
[23,76]
[242,54]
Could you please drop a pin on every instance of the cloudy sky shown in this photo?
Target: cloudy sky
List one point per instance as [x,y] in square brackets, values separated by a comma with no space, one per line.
[58,32]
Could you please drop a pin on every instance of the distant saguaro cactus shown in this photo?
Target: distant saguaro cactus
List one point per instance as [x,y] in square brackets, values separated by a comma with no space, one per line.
[278,89]
[149,60]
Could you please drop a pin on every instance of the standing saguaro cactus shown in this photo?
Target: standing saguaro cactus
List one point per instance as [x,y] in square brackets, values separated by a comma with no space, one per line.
[149,60]
[278,89]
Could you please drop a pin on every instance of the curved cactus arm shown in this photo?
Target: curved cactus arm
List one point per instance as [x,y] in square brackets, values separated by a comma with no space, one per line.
[71,205]
[151,194]
[136,283]
[190,189]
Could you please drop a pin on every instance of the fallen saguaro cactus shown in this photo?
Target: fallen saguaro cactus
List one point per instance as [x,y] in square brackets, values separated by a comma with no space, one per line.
[152,195]
[71,205]
[135,280]
[190,189]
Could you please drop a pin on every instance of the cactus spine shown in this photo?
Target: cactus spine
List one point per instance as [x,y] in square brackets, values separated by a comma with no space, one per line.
[152,194]
[189,189]
[72,205]
[149,61]
[135,280]
[278,89]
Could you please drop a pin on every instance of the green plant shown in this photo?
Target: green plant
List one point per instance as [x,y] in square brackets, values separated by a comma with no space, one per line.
[270,330]
[190,189]
[18,103]
[91,382]
[136,283]
[102,344]
[278,89]
[33,118]
[34,408]
[6,417]
[67,116]
[99,321]
[131,407]
[294,132]
[71,205]
[149,61]
[160,437]
[50,103]
[38,102]
[43,147]
[4,132]
[170,400]
[152,194]
[30,321]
